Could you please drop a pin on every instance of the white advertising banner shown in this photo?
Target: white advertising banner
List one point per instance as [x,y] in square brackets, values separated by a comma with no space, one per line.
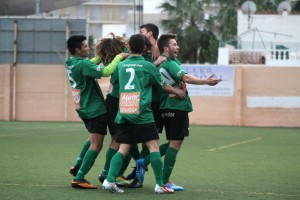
[224,88]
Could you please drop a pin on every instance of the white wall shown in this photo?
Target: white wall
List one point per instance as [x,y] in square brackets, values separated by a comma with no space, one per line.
[273,29]
[117,29]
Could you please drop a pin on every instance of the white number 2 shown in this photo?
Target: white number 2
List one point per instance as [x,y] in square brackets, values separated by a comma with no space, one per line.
[128,86]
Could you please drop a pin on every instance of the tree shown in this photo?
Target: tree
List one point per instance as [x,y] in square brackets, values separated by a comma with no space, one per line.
[186,20]
[296,6]
[226,19]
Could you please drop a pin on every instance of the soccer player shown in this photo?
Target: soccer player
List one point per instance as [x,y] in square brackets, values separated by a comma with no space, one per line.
[150,53]
[151,31]
[106,50]
[135,119]
[175,111]
[89,104]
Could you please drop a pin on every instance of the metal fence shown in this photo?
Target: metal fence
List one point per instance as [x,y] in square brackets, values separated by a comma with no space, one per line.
[36,40]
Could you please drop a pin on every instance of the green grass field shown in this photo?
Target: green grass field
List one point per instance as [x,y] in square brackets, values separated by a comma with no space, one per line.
[215,162]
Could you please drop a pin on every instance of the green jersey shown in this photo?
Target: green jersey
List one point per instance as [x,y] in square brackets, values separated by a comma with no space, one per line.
[148,57]
[172,74]
[114,80]
[88,97]
[155,91]
[136,78]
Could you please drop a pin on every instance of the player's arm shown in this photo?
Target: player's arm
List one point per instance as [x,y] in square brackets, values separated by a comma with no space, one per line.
[159,60]
[109,69]
[96,60]
[178,92]
[155,51]
[199,81]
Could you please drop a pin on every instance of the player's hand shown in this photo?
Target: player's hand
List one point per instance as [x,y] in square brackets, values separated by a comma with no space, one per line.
[180,93]
[182,85]
[160,60]
[212,81]
[124,55]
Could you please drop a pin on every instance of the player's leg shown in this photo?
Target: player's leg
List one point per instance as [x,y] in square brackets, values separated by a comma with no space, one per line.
[176,126]
[111,151]
[74,169]
[162,150]
[112,105]
[97,128]
[136,182]
[88,161]
[114,170]
[144,160]
[123,137]
[150,138]
[169,162]
[157,164]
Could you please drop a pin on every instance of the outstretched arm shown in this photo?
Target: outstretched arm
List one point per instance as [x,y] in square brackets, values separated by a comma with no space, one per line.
[199,81]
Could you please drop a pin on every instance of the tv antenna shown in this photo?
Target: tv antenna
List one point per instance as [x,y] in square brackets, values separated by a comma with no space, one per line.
[255,30]
[284,6]
[249,8]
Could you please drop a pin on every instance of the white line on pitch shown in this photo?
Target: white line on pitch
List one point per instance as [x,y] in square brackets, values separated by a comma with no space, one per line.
[234,144]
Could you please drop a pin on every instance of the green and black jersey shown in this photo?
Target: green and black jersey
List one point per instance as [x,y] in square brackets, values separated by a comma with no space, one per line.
[155,91]
[88,97]
[136,78]
[172,74]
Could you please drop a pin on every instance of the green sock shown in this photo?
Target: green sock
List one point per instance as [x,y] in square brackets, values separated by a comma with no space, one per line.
[145,151]
[157,165]
[134,152]
[115,166]
[169,162]
[147,160]
[162,150]
[125,165]
[83,151]
[109,154]
[87,164]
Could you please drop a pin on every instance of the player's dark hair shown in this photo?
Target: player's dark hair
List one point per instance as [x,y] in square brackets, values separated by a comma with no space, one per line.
[75,41]
[110,46]
[151,27]
[164,40]
[137,43]
[147,42]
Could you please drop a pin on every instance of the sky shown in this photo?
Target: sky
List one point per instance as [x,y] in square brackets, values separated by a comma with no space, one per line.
[150,6]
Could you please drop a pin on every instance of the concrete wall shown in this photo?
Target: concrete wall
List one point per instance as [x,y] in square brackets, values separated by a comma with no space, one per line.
[42,93]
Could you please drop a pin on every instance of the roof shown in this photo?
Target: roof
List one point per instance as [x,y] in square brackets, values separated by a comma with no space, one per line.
[28,7]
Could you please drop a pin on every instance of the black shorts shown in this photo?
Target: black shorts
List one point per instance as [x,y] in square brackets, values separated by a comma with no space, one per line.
[157,116]
[176,124]
[136,133]
[97,124]
[112,106]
